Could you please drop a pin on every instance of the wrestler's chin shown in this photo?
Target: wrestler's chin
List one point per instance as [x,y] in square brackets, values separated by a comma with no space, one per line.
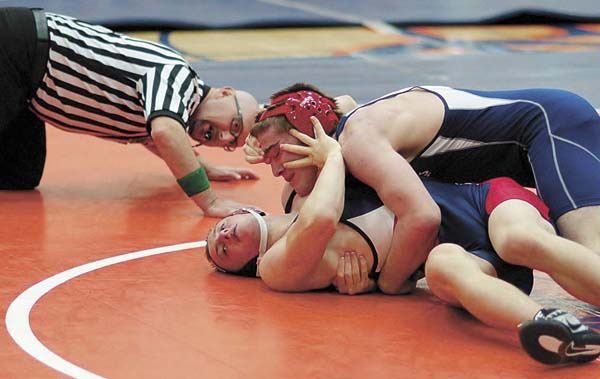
[302,188]
[302,180]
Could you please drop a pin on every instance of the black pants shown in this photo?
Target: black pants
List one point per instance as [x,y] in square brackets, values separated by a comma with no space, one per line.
[22,134]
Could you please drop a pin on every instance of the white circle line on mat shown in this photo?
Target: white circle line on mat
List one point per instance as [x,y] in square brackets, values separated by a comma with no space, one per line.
[17,315]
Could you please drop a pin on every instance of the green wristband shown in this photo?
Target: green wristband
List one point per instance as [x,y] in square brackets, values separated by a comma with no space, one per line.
[194,182]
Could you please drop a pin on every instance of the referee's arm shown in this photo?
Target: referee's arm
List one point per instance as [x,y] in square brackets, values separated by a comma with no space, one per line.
[174,147]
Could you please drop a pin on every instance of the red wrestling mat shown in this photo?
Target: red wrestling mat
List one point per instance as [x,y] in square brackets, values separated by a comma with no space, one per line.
[168,315]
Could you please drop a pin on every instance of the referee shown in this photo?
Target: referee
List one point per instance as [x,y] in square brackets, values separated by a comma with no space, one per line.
[87,79]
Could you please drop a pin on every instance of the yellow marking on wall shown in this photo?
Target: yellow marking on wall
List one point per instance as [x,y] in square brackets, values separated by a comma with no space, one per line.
[595,28]
[585,38]
[148,36]
[490,33]
[554,48]
[291,43]
[226,45]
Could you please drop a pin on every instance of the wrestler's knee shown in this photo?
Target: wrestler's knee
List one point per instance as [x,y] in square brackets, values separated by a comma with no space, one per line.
[520,243]
[445,270]
[445,264]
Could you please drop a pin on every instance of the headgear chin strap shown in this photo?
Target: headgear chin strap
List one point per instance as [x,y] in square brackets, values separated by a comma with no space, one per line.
[298,107]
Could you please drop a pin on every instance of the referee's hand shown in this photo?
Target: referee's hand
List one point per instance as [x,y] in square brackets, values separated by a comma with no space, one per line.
[224,207]
[225,174]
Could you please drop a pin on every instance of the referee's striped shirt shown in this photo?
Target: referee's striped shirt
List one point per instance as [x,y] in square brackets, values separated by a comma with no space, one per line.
[108,85]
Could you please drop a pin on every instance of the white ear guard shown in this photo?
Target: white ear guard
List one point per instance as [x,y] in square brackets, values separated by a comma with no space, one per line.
[262,246]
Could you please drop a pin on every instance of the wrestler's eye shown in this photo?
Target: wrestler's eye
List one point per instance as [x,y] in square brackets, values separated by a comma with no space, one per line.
[224,249]
[273,152]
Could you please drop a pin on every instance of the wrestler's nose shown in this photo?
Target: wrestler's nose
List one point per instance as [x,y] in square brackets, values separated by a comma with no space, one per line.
[277,169]
[224,234]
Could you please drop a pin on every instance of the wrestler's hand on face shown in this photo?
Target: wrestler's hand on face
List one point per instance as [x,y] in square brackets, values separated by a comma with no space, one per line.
[353,275]
[316,150]
[253,151]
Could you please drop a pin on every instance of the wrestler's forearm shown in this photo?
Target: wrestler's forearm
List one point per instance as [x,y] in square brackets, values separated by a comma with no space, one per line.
[372,160]
[307,238]
[409,249]
[326,201]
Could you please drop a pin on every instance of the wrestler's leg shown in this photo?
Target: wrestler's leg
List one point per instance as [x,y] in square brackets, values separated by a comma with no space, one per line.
[521,236]
[463,279]
[565,157]
[582,225]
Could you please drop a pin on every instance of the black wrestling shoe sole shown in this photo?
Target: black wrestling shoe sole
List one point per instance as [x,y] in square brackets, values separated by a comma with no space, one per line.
[564,349]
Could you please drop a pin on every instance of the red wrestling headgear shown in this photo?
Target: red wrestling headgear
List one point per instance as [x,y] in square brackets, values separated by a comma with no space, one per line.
[298,107]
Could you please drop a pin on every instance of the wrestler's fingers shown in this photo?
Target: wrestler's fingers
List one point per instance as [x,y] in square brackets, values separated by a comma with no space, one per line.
[341,281]
[340,275]
[252,143]
[348,273]
[305,139]
[356,280]
[299,163]
[252,150]
[295,149]
[254,160]
[364,270]
[253,154]
[318,128]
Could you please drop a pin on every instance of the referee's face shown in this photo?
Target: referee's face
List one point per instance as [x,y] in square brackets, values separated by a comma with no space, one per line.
[220,123]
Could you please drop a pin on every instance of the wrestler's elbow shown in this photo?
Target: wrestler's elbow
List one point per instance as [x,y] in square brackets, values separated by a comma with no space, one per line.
[406,288]
[323,223]
[426,220]
[345,103]
[313,215]
[288,279]
[421,210]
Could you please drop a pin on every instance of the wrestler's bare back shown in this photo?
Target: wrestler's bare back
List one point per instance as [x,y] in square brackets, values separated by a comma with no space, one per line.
[409,121]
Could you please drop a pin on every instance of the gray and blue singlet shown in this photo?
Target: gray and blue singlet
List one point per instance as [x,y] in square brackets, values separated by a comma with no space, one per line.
[543,138]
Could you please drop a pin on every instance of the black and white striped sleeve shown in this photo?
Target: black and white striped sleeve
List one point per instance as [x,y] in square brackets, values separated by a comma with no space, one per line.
[168,90]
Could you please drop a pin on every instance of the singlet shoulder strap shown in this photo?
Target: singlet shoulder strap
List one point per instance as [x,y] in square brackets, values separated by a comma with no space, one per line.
[373,274]
[290,202]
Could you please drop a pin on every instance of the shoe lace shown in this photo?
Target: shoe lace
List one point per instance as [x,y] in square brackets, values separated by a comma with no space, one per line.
[567,319]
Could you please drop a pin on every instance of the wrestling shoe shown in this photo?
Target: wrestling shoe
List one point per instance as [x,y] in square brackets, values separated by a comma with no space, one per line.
[555,336]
